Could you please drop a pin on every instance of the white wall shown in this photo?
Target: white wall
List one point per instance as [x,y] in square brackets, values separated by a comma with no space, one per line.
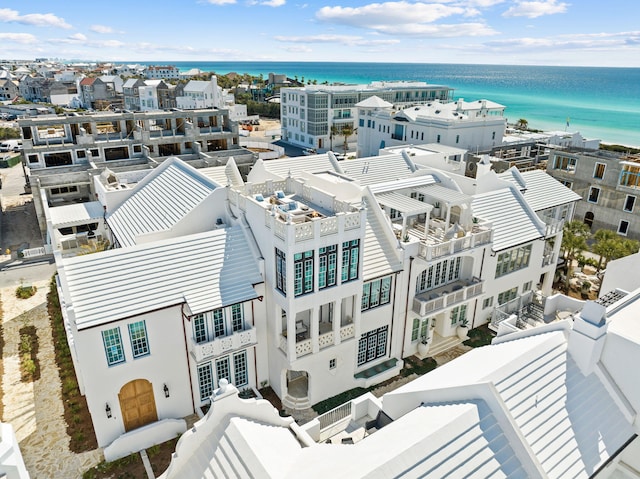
[166,364]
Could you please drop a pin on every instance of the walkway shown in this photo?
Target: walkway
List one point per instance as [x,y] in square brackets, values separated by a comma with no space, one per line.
[35,409]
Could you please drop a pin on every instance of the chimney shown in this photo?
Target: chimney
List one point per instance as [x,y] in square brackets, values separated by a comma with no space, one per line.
[587,337]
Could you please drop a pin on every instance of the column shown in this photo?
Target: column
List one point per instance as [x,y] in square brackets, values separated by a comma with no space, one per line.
[315,327]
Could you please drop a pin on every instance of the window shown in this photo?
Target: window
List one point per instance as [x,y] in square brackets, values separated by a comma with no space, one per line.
[507,295]
[419,330]
[415,330]
[629,203]
[487,303]
[138,336]
[623,227]
[568,184]
[439,274]
[113,346]
[457,139]
[222,369]
[281,272]
[303,273]
[328,263]
[526,286]
[598,171]
[205,381]
[350,260]
[199,328]
[458,314]
[237,317]
[218,323]
[594,194]
[565,163]
[372,345]
[332,363]
[376,293]
[438,139]
[514,260]
[240,376]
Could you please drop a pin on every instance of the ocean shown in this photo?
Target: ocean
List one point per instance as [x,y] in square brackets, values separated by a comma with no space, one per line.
[599,102]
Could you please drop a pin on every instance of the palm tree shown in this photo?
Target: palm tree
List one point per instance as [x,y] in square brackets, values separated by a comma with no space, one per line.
[335,131]
[522,124]
[574,240]
[347,131]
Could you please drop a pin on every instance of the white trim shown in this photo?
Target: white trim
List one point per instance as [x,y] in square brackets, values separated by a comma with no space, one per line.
[591,188]
[595,168]
[625,203]
[620,224]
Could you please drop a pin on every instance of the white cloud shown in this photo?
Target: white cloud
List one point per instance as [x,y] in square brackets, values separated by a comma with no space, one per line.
[274,3]
[101,29]
[298,49]
[78,36]
[389,13]
[221,2]
[440,30]
[535,9]
[341,39]
[24,38]
[8,15]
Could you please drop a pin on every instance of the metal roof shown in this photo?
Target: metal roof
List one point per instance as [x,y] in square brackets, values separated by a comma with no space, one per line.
[514,223]
[411,182]
[447,195]
[217,174]
[379,258]
[206,270]
[402,203]
[541,190]
[298,164]
[76,214]
[160,201]
[377,169]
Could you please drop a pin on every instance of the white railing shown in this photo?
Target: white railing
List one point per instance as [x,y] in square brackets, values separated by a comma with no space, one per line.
[238,340]
[304,231]
[347,332]
[283,344]
[352,221]
[303,348]
[325,340]
[328,226]
[334,416]
[35,252]
[553,226]
[453,246]
[435,301]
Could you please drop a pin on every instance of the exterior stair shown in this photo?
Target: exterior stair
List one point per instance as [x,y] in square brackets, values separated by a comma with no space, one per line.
[443,345]
[297,404]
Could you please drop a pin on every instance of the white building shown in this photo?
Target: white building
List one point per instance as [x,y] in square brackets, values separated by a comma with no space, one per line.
[314,277]
[148,94]
[314,115]
[462,124]
[11,462]
[154,72]
[558,401]
[201,94]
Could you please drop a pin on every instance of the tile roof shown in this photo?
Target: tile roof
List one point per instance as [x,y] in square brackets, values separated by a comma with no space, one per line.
[206,270]
[159,201]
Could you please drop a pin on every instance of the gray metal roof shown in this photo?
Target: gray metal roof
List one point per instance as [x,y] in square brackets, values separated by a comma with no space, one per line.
[159,201]
[514,223]
[217,174]
[541,190]
[206,270]
[403,204]
[79,213]
[447,195]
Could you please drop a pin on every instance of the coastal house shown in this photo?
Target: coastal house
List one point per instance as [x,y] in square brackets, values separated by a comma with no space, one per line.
[476,125]
[558,401]
[326,273]
[608,183]
[8,89]
[313,116]
[200,94]
[158,72]
[131,94]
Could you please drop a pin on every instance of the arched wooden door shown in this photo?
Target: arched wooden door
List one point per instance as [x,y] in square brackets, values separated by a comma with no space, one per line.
[137,403]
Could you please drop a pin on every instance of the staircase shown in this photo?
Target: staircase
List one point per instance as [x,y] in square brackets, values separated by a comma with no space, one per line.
[295,403]
[443,345]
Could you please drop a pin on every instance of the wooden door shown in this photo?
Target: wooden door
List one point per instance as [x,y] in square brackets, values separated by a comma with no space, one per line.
[137,404]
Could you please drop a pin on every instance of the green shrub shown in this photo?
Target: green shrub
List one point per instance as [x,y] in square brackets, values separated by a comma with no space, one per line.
[24,292]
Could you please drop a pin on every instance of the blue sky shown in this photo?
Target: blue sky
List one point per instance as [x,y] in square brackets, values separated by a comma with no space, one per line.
[544,32]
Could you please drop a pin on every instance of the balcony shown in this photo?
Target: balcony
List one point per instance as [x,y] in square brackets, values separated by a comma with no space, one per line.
[326,337]
[446,296]
[223,344]
[438,241]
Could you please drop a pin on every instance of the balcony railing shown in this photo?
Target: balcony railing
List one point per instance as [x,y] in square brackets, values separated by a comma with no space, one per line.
[434,246]
[224,344]
[447,296]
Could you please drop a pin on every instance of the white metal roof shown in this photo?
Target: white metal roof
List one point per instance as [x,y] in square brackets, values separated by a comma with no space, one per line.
[376,169]
[297,164]
[448,195]
[207,270]
[513,222]
[159,201]
[217,174]
[378,255]
[411,182]
[570,421]
[403,203]
[374,102]
[541,190]
[78,213]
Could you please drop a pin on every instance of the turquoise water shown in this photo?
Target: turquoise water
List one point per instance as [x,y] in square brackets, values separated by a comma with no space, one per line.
[599,102]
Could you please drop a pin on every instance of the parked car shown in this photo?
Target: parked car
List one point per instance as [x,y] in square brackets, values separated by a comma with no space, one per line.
[11,145]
